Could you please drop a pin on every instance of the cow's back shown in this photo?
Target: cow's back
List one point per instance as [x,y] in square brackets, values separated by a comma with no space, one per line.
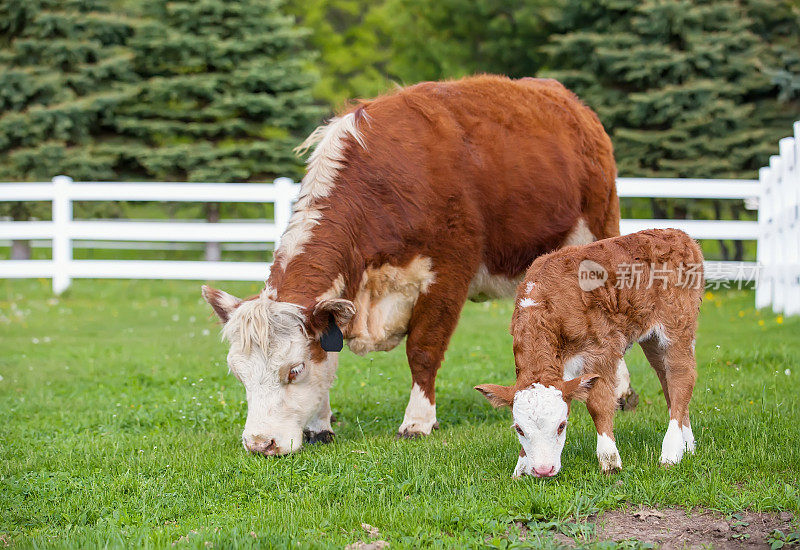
[514,166]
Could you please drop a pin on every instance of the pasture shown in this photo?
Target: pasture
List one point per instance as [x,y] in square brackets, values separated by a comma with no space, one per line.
[121,427]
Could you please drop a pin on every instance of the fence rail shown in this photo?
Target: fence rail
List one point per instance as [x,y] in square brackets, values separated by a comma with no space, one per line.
[776,195]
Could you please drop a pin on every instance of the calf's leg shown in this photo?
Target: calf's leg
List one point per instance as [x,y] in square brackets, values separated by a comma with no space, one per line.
[681,374]
[432,323]
[624,393]
[602,406]
[655,351]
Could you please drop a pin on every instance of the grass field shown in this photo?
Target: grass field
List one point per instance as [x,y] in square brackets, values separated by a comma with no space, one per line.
[121,427]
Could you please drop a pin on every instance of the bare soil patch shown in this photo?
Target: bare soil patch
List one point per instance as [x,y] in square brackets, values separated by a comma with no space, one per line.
[674,528]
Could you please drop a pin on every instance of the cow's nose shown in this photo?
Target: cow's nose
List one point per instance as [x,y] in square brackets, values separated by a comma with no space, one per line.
[266,447]
[544,471]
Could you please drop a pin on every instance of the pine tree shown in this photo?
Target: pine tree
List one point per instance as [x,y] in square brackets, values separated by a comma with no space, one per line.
[226,92]
[683,86]
[180,90]
[63,69]
[686,88]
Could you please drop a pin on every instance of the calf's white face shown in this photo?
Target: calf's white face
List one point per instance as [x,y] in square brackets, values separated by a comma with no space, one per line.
[271,355]
[540,420]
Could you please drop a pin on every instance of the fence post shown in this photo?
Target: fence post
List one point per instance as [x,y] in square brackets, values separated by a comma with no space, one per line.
[790,151]
[62,244]
[764,257]
[777,235]
[283,206]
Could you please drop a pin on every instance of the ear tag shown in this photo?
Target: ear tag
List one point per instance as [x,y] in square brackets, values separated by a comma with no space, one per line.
[332,339]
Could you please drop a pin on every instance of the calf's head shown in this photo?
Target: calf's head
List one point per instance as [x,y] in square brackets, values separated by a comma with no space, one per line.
[275,352]
[540,420]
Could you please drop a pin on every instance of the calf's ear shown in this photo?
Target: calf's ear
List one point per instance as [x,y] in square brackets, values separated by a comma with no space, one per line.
[578,388]
[222,302]
[498,396]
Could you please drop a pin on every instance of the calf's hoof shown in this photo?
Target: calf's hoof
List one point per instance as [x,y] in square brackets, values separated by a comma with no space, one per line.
[673,447]
[414,431]
[324,436]
[629,401]
[610,464]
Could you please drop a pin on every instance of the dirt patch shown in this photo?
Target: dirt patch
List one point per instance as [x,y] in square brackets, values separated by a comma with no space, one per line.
[374,544]
[673,528]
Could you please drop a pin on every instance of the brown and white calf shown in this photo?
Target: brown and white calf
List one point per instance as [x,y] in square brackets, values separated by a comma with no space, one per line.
[578,311]
[412,203]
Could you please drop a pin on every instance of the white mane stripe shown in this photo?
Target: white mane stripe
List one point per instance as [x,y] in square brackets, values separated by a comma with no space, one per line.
[261,321]
[323,165]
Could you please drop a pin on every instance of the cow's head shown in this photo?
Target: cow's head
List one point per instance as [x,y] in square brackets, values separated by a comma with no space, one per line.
[540,420]
[276,353]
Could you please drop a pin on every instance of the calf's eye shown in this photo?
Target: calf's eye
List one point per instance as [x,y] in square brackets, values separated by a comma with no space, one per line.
[561,427]
[519,430]
[295,371]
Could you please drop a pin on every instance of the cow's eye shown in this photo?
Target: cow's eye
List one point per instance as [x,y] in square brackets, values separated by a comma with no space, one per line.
[519,430]
[561,427]
[296,371]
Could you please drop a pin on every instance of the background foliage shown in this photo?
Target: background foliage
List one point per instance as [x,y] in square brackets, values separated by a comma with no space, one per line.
[180,90]
[219,90]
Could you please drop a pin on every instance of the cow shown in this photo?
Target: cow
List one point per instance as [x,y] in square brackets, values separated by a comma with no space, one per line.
[412,203]
[578,310]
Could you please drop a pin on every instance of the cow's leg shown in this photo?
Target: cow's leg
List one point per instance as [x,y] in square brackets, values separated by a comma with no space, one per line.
[602,405]
[680,375]
[319,429]
[433,321]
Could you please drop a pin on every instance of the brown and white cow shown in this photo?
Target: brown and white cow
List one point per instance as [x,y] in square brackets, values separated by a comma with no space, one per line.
[578,311]
[412,203]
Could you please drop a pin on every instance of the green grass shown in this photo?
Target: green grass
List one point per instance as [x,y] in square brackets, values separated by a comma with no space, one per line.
[121,426]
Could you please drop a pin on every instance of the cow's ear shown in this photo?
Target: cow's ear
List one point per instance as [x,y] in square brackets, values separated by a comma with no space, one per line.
[498,396]
[341,310]
[578,388]
[329,315]
[222,302]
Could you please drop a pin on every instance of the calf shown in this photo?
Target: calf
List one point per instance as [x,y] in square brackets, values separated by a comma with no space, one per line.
[579,309]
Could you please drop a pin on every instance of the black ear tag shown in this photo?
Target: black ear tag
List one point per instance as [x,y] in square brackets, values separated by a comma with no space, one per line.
[332,339]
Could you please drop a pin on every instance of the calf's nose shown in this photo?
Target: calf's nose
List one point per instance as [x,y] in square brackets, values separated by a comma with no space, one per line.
[544,471]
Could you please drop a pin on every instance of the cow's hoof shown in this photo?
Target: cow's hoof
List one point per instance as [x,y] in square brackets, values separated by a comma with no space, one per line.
[334,420]
[324,436]
[629,401]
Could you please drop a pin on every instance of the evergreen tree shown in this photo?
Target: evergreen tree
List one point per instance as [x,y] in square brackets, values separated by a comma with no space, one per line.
[686,88]
[226,92]
[63,70]
[181,90]
[683,86]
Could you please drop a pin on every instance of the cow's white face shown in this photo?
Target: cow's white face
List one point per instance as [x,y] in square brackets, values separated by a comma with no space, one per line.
[285,374]
[540,420]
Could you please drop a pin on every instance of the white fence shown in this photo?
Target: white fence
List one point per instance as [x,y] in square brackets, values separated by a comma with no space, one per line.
[777,230]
